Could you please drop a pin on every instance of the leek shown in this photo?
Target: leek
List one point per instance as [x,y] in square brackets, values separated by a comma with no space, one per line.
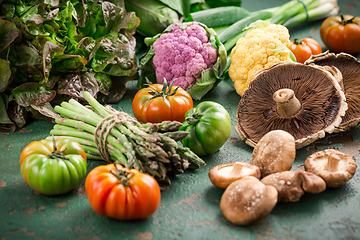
[289,15]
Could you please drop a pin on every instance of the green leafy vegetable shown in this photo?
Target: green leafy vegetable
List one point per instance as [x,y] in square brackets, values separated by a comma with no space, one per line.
[52,50]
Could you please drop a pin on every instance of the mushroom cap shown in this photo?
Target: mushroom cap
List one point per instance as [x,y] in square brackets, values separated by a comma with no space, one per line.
[292,185]
[318,91]
[222,175]
[349,67]
[335,167]
[275,152]
[247,200]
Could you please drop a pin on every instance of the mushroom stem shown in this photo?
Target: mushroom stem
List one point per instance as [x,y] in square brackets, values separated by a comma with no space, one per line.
[287,104]
[237,168]
[333,162]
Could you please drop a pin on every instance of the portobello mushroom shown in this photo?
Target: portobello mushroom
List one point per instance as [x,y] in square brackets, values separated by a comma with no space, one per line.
[303,100]
[349,67]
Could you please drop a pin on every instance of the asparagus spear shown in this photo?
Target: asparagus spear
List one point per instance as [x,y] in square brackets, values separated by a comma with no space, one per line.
[117,137]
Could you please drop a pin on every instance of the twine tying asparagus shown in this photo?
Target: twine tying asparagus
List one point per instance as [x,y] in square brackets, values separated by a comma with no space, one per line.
[104,127]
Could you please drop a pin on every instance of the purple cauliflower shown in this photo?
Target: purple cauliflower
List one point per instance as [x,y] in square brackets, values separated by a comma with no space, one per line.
[183,54]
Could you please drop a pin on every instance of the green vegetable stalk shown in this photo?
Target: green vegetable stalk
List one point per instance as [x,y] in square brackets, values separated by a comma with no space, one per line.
[156,15]
[52,51]
[114,136]
[290,14]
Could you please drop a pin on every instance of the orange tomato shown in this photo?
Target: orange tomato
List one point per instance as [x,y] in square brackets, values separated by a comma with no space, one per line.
[122,193]
[304,48]
[158,103]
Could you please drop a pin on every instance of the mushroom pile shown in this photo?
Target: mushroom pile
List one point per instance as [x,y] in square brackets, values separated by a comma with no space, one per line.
[286,107]
[253,189]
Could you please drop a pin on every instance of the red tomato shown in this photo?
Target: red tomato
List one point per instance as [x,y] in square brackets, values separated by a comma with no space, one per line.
[304,48]
[122,193]
[158,103]
[341,33]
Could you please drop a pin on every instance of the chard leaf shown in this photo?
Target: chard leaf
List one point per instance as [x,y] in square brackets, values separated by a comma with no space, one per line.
[18,114]
[116,92]
[5,74]
[21,8]
[50,15]
[32,15]
[22,30]
[52,80]
[81,13]
[118,57]
[52,3]
[32,94]
[28,73]
[8,33]
[47,110]
[50,51]
[68,63]
[104,81]
[37,115]
[75,84]
[9,9]
[85,47]
[27,55]
[6,125]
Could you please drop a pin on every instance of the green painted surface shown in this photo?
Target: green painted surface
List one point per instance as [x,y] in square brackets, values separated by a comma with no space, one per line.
[189,207]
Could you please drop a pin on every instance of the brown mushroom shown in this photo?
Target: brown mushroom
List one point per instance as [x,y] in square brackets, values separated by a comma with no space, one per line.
[275,152]
[247,200]
[292,185]
[222,175]
[304,100]
[349,67]
[335,167]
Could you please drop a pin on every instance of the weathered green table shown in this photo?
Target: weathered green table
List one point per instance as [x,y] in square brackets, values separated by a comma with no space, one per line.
[189,207]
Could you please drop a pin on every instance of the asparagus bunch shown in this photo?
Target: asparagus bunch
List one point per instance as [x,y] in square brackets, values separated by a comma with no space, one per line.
[114,136]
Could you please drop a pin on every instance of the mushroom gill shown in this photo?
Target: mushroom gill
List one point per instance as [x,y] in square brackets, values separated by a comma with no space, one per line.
[349,67]
[321,103]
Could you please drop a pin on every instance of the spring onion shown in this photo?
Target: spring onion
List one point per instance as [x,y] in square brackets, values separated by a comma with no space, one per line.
[289,14]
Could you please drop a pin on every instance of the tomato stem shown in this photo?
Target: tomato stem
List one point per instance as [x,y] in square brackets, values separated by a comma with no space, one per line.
[194,118]
[56,153]
[165,91]
[123,175]
[344,22]
[298,41]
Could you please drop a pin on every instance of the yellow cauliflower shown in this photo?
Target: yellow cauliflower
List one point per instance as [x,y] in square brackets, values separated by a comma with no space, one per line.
[255,51]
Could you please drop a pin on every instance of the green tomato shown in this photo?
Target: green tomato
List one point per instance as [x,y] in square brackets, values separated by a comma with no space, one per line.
[209,126]
[53,170]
